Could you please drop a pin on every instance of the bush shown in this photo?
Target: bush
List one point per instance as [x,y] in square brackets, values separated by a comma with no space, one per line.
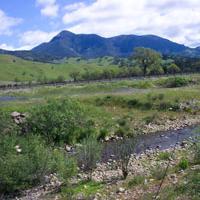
[123,151]
[6,123]
[161,96]
[183,164]
[102,135]
[175,82]
[122,131]
[24,161]
[88,154]
[122,122]
[64,165]
[132,103]
[150,119]
[60,122]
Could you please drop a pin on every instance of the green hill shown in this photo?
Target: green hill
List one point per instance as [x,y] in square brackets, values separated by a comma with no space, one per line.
[16,69]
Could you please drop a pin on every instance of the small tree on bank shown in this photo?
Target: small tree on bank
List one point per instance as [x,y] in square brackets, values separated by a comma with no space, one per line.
[123,151]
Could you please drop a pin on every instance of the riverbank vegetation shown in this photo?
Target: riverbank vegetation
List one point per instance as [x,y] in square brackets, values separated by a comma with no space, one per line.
[59,120]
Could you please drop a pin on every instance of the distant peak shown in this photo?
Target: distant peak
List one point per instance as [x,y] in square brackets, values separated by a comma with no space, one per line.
[65,33]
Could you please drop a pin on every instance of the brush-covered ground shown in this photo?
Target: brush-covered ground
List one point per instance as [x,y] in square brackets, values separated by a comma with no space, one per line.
[145,106]
[62,115]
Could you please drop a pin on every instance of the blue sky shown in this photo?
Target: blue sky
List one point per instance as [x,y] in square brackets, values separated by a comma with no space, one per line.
[27,23]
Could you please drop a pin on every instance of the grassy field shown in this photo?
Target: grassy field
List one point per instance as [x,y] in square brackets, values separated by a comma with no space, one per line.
[17,69]
[138,102]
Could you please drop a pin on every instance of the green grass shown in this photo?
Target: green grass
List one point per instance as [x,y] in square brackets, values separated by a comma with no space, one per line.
[107,103]
[16,69]
[85,188]
[137,180]
[164,156]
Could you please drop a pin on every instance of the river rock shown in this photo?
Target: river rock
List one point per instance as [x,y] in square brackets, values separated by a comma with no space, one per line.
[121,190]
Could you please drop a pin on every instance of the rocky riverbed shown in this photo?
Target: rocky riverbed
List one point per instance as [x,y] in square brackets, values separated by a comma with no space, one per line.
[110,173]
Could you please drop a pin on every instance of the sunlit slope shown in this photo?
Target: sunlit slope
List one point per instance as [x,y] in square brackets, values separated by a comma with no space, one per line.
[16,69]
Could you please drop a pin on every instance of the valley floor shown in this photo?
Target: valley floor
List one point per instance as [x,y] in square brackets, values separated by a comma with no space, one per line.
[126,109]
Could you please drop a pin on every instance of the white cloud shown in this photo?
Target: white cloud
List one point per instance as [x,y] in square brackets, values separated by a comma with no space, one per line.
[30,39]
[6,23]
[49,8]
[74,6]
[173,19]
[6,47]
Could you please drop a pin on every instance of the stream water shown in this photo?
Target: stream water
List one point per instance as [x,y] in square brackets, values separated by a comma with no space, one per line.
[162,140]
[11,98]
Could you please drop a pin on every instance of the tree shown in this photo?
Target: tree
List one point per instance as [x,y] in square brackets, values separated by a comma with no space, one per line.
[156,70]
[135,71]
[86,75]
[88,154]
[108,73]
[146,57]
[173,69]
[166,63]
[75,75]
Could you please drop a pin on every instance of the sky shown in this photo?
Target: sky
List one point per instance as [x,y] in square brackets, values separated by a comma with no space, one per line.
[25,24]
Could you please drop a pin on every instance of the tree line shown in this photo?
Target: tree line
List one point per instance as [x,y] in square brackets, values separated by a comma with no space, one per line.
[143,62]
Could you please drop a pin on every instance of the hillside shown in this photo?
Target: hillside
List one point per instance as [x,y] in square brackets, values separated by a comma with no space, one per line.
[16,69]
[68,44]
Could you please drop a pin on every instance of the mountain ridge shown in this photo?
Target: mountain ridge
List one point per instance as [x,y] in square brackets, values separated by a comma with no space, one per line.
[68,44]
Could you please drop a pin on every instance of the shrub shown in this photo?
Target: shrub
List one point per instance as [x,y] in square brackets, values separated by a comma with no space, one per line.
[164,105]
[122,131]
[137,180]
[60,122]
[147,105]
[123,151]
[161,96]
[151,118]
[175,82]
[64,165]
[88,154]
[132,103]
[122,122]
[24,161]
[103,133]
[6,123]
[183,164]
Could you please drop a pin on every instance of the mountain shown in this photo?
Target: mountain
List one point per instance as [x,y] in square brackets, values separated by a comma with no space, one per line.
[68,44]
[92,46]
